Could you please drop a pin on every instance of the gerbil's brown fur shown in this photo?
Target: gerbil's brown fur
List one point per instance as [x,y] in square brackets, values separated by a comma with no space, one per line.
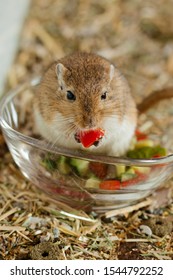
[90,74]
[88,77]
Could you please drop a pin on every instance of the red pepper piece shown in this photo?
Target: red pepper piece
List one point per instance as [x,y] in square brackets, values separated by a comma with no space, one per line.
[110,185]
[140,135]
[134,181]
[157,156]
[89,137]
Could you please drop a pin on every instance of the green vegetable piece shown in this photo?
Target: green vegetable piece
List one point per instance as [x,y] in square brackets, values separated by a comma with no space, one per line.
[120,169]
[127,176]
[82,166]
[48,163]
[141,169]
[147,152]
[131,170]
[92,183]
[63,165]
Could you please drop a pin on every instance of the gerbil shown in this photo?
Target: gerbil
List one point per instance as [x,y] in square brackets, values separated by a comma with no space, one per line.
[84,91]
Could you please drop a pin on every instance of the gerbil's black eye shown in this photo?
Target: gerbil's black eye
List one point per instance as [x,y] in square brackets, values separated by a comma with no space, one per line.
[104,95]
[71,96]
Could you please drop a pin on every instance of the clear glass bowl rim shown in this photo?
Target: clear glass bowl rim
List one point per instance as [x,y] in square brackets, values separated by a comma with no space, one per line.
[42,145]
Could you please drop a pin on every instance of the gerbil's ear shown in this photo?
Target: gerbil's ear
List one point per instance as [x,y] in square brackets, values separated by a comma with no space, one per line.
[60,71]
[112,71]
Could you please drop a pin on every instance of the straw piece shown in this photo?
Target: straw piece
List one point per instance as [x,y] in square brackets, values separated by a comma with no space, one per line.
[11,228]
[46,39]
[127,210]
[8,213]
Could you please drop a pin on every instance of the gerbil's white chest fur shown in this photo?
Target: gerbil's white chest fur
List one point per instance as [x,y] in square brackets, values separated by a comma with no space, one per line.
[83,92]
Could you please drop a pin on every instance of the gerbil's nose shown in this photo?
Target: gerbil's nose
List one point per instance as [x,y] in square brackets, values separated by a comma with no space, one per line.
[89,122]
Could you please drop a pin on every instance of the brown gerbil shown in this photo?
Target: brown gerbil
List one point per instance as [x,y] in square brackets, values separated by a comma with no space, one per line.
[84,91]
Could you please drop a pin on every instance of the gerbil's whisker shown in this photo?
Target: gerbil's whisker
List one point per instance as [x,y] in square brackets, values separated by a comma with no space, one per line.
[52,141]
[63,119]
[71,130]
[68,132]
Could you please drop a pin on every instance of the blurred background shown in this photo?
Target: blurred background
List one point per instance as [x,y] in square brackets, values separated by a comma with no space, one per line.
[135,35]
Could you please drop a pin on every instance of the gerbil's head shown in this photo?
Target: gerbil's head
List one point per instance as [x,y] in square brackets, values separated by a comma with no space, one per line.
[90,94]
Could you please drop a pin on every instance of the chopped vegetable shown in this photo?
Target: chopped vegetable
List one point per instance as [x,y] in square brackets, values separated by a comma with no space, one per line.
[92,183]
[127,176]
[144,143]
[99,169]
[90,137]
[146,152]
[63,166]
[130,170]
[140,135]
[141,169]
[97,174]
[49,163]
[120,169]
[110,185]
[80,165]
[134,181]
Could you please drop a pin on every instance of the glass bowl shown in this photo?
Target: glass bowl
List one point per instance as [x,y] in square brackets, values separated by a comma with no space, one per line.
[61,172]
